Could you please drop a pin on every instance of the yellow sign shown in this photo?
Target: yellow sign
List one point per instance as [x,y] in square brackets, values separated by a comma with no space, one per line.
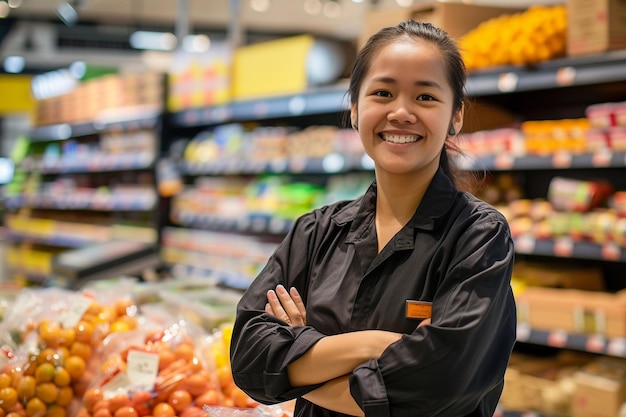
[15,94]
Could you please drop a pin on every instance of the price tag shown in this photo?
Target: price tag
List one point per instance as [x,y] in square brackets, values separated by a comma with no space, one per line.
[523,332]
[617,347]
[563,247]
[142,368]
[333,162]
[611,252]
[118,384]
[507,82]
[525,244]
[602,158]
[565,76]
[557,338]
[78,306]
[595,343]
[504,161]
[562,160]
[297,105]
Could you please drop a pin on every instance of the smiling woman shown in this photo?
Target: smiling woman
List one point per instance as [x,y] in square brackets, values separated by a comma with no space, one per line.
[396,303]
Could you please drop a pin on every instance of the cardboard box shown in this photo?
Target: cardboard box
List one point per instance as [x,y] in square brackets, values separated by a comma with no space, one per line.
[574,311]
[600,389]
[456,18]
[595,26]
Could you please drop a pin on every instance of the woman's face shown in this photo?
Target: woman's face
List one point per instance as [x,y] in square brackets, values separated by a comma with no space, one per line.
[404,108]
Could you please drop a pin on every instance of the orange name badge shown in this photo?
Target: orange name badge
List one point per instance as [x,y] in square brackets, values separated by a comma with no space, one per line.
[418,309]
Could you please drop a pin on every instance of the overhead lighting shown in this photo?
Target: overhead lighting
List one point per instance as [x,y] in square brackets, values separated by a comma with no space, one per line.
[312,7]
[196,43]
[332,9]
[14,4]
[14,64]
[155,41]
[67,13]
[260,5]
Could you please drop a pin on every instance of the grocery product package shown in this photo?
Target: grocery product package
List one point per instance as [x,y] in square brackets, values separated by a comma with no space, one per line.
[52,335]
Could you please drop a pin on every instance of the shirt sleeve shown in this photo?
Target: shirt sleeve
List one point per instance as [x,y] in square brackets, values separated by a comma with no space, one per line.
[456,364]
[262,346]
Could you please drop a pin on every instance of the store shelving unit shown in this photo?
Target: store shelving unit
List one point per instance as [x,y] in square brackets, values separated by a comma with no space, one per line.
[43,222]
[555,89]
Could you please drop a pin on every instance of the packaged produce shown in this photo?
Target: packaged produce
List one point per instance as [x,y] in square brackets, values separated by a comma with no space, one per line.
[54,334]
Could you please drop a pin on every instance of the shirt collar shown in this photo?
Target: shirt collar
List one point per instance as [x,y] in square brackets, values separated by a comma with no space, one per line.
[436,203]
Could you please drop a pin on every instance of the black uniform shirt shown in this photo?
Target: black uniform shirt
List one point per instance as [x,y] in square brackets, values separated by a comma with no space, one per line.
[455,252]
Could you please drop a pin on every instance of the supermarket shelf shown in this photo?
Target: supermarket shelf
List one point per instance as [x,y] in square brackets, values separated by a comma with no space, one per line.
[255,223]
[558,161]
[568,248]
[566,72]
[77,202]
[330,164]
[322,101]
[95,163]
[230,280]
[60,241]
[63,131]
[564,340]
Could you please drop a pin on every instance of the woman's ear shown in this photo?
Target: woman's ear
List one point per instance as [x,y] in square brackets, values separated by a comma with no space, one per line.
[354,118]
[456,124]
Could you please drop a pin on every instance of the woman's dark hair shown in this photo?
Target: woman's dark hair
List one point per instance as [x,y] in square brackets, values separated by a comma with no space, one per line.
[425,31]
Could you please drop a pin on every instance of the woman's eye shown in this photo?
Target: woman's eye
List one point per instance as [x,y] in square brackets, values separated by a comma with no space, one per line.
[425,97]
[382,93]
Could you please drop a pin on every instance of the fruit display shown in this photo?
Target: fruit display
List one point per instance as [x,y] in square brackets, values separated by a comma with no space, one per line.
[52,350]
[78,355]
[528,37]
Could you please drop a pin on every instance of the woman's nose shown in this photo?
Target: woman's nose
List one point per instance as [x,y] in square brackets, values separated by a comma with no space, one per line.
[402,111]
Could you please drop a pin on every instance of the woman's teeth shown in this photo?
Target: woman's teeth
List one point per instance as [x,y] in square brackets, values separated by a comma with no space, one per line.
[400,138]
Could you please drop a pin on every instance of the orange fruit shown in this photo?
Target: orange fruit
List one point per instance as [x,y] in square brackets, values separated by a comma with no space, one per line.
[45,372]
[163,410]
[91,397]
[126,412]
[84,331]
[179,399]
[65,396]
[62,377]
[56,411]
[197,383]
[35,407]
[26,388]
[67,336]
[8,398]
[47,392]
[119,326]
[75,365]
[185,351]
[209,397]
[5,380]
[118,401]
[81,349]
[102,412]
[166,358]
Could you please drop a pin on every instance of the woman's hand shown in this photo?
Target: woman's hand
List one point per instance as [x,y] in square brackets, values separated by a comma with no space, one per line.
[286,306]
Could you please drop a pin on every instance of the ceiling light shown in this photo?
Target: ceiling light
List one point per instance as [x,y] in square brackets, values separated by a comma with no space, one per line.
[14,4]
[312,7]
[260,5]
[67,13]
[156,41]
[196,43]
[332,9]
[14,64]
